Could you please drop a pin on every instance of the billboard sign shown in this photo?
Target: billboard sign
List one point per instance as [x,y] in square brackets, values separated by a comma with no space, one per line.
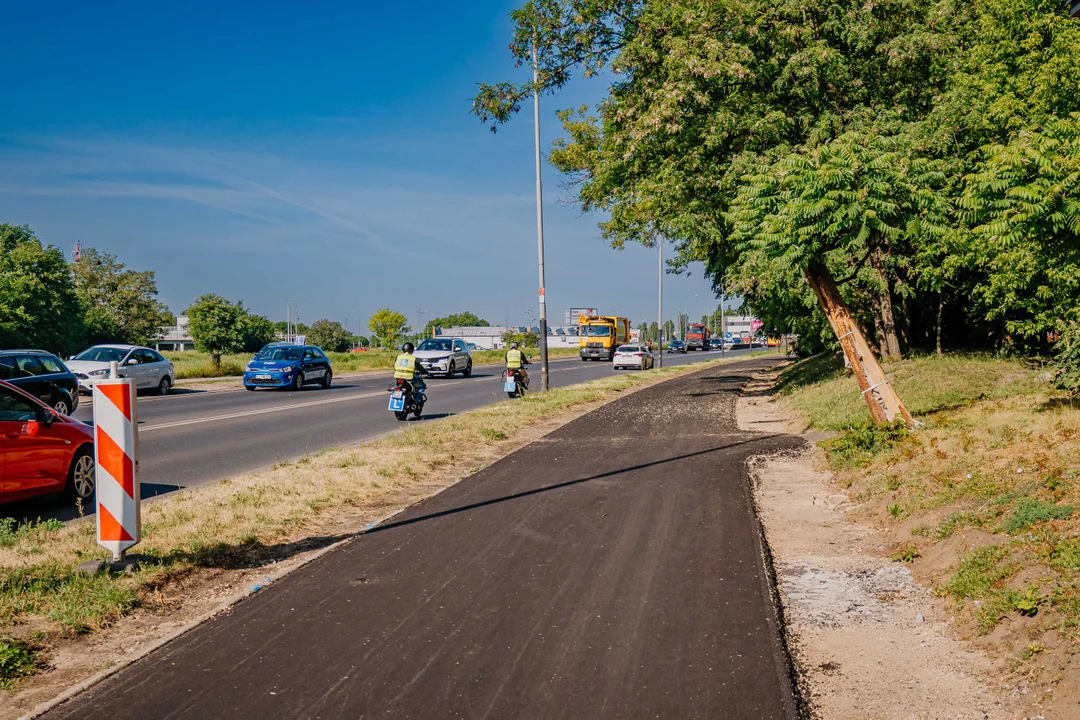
[573,315]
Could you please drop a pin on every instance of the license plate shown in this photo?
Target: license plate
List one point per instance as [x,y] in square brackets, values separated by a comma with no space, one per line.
[397,402]
[264,377]
[398,394]
[510,386]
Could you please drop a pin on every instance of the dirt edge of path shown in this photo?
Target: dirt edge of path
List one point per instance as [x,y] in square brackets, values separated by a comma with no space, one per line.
[865,639]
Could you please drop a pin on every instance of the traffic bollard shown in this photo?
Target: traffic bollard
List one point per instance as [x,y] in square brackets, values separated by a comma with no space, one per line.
[116,462]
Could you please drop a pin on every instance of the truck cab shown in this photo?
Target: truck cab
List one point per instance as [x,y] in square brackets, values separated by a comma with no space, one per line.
[601,334]
[697,336]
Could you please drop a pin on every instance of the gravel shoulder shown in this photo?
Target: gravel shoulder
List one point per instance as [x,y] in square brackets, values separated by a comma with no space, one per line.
[868,641]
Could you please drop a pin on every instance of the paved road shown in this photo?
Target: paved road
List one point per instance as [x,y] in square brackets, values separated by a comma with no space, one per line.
[630,584]
[192,437]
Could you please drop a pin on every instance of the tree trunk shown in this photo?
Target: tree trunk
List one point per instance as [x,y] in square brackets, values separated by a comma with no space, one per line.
[885,405]
[940,313]
[891,343]
[216,361]
[905,325]
[879,335]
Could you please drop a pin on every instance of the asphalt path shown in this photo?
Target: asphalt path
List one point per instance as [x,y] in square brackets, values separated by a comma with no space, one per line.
[613,569]
[197,436]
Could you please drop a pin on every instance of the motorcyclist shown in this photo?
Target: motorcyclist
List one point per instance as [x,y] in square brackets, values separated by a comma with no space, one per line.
[516,360]
[407,368]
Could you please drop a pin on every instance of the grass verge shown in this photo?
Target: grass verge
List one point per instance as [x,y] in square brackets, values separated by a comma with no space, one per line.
[191,365]
[254,519]
[997,460]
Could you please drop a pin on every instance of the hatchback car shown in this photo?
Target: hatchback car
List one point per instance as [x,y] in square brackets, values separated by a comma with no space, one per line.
[288,365]
[445,356]
[42,452]
[43,375]
[632,356]
[147,367]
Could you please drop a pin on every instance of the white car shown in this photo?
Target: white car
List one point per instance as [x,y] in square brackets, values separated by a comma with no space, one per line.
[632,356]
[445,356]
[148,368]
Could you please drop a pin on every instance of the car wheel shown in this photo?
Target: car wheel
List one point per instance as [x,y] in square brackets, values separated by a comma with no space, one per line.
[62,406]
[80,482]
[164,386]
[298,380]
[327,379]
[468,370]
[452,370]
[250,387]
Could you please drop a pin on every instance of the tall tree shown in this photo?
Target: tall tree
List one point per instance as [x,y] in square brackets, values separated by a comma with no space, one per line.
[216,326]
[462,319]
[255,330]
[389,326]
[38,304]
[120,304]
[330,335]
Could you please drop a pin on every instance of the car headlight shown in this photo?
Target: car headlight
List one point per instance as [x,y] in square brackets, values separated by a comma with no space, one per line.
[249,369]
[98,372]
[286,369]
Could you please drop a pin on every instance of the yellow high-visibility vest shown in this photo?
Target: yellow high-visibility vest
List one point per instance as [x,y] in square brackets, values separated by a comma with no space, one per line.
[404,367]
[513,359]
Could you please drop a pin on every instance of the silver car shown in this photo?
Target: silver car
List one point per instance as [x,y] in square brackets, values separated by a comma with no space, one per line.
[632,356]
[147,367]
[445,356]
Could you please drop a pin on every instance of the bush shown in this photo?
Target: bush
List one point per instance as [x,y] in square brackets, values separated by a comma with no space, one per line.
[1066,365]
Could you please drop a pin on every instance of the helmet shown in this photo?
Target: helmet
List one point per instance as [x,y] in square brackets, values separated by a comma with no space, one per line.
[408,347]
[513,346]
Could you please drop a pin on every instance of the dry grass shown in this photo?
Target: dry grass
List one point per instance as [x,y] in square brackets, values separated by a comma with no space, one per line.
[999,452]
[197,365]
[249,520]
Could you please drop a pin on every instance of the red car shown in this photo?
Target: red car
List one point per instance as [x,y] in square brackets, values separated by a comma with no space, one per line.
[41,451]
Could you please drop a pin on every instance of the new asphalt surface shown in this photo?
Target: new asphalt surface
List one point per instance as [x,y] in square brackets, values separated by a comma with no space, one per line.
[613,569]
[193,437]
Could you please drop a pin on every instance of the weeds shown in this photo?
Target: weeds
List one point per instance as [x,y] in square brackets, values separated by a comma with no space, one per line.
[16,660]
[1030,511]
[856,446]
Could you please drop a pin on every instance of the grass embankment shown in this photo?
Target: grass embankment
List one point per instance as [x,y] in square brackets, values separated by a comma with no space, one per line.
[197,365]
[983,499]
[250,520]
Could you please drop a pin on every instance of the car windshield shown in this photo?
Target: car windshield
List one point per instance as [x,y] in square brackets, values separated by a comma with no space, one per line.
[596,330]
[676,343]
[629,349]
[435,344]
[282,353]
[102,354]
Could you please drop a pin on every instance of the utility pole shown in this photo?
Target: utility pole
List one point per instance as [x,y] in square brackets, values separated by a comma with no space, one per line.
[660,305]
[540,225]
[723,329]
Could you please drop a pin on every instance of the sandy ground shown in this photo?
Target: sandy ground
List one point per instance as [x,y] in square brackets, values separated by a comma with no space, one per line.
[868,640]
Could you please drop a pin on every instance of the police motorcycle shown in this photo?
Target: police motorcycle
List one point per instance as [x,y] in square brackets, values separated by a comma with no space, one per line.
[515,383]
[405,398]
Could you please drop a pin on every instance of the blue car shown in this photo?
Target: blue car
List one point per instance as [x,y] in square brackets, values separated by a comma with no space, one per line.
[288,365]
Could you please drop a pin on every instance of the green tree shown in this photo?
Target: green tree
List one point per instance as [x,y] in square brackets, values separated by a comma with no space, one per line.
[1066,364]
[216,326]
[669,330]
[330,335]
[388,326]
[256,331]
[282,326]
[38,304]
[526,339]
[654,332]
[120,304]
[462,319]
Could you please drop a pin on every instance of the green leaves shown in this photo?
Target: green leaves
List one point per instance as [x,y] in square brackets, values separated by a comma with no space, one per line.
[216,326]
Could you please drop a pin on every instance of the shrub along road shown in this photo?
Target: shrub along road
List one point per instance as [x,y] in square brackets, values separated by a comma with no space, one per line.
[195,437]
[612,569]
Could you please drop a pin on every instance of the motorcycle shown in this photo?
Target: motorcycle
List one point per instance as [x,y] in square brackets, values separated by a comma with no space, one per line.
[404,400]
[513,383]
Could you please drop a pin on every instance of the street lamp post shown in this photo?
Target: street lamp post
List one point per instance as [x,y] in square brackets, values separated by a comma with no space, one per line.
[660,305]
[540,226]
[723,329]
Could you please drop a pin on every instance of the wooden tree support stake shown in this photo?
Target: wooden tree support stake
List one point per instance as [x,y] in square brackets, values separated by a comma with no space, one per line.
[885,405]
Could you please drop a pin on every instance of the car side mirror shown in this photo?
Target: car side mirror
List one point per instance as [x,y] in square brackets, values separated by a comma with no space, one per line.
[49,418]
[132,361]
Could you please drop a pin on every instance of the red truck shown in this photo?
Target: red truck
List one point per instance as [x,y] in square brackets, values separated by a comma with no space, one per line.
[697,336]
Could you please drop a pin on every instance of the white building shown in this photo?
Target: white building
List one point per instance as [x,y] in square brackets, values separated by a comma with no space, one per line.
[490,338]
[175,337]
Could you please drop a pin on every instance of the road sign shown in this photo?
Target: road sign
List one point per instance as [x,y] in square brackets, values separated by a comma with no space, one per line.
[573,315]
[116,462]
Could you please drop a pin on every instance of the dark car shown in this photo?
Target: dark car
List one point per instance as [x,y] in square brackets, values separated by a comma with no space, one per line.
[43,452]
[288,365]
[676,346]
[43,375]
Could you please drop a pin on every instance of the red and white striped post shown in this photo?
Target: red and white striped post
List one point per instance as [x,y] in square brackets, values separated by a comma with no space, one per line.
[116,459]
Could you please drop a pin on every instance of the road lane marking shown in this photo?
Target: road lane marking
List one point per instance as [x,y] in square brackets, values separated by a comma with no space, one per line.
[263,411]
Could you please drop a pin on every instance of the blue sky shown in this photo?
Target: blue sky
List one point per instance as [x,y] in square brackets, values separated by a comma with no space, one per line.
[316,152]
